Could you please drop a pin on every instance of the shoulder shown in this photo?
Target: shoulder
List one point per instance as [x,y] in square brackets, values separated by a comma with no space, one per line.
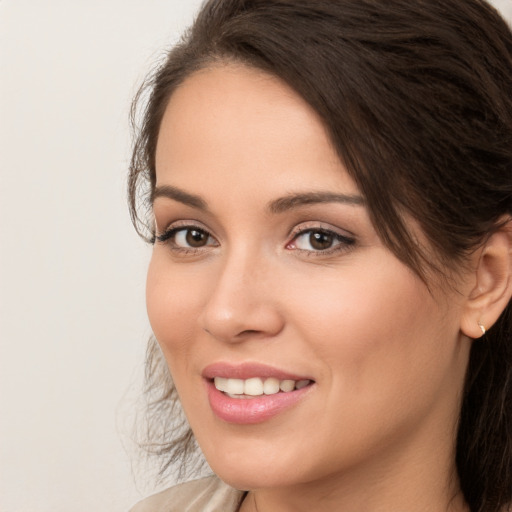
[208,494]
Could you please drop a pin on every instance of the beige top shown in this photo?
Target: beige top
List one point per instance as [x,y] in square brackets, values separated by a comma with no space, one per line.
[208,494]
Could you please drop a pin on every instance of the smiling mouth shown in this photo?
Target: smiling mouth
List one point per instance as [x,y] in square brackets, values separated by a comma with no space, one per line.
[257,387]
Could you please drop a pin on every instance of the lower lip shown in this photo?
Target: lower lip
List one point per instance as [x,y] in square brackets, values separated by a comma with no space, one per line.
[245,411]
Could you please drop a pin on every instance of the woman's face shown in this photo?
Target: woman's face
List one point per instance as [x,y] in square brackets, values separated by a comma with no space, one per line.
[267,270]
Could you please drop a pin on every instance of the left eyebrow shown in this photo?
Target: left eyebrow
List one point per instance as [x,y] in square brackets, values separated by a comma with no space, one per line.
[303,199]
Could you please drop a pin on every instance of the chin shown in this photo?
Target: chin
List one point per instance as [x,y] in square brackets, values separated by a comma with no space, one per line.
[257,465]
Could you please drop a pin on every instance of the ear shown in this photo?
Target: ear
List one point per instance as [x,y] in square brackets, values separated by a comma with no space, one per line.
[492,289]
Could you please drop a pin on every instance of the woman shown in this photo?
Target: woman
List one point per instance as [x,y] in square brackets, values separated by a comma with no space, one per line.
[329,186]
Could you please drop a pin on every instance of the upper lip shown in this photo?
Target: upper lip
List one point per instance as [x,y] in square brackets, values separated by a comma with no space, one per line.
[248,370]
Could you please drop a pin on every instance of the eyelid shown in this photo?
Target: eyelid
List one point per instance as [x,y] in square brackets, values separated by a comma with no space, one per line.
[346,239]
[172,228]
[181,224]
[306,227]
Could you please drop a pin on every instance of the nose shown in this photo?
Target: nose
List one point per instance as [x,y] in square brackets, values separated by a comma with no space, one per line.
[243,303]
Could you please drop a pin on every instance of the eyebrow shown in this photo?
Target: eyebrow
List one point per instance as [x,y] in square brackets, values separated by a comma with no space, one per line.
[280,205]
[179,195]
[292,201]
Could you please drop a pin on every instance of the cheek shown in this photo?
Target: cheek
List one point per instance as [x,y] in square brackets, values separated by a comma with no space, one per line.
[380,344]
[374,329]
[172,301]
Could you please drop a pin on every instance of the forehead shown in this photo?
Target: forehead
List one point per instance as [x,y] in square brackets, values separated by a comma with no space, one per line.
[243,124]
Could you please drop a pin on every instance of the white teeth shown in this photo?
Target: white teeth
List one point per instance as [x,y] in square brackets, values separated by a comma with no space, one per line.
[257,386]
[253,387]
[271,386]
[235,386]
[287,385]
[221,383]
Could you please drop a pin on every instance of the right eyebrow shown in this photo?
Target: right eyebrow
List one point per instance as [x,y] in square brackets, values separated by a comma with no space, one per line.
[176,194]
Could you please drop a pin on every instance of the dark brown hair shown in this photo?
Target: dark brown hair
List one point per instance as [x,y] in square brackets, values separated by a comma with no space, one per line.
[417,99]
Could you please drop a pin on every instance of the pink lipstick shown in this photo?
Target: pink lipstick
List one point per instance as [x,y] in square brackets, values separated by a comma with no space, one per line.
[252,393]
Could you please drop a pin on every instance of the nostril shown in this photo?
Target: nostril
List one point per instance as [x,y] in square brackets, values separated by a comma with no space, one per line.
[241,321]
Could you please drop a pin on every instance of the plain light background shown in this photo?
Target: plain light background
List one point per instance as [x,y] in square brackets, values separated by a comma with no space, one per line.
[73,325]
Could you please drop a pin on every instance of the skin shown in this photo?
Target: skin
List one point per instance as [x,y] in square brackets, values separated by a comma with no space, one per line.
[376,431]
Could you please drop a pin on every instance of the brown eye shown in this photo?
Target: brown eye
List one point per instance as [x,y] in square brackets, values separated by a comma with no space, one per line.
[187,238]
[196,238]
[321,240]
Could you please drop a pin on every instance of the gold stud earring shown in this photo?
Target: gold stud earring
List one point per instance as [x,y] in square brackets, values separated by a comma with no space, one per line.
[482,328]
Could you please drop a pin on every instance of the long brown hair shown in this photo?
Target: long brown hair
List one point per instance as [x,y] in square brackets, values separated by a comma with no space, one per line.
[417,99]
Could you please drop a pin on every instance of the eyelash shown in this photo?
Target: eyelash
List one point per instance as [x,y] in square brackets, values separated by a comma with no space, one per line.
[168,237]
[343,242]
